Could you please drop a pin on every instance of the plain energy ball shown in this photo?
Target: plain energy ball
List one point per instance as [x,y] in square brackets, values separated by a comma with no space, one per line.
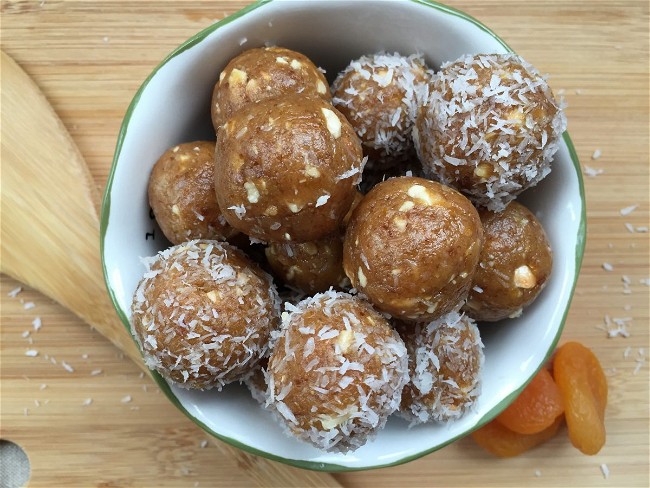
[261,73]
[181,194]
[445,362]
[336,372]
[490,128]
[311,267]
[412,246]
[203,314]
[286,169]
[514,267]
[380,94]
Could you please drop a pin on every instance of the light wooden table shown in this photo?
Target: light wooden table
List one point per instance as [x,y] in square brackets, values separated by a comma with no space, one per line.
[90,57]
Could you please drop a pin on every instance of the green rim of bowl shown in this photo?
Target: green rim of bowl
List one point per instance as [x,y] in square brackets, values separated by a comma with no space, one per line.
[311,465]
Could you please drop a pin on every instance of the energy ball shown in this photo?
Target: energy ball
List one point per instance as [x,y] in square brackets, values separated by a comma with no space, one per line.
[286,169]
[336,371]
[309,266]
[261,73]
[181,194]
[203,314]
[412,246]
[514,267]
[490,128]
[380,94]
[445,361]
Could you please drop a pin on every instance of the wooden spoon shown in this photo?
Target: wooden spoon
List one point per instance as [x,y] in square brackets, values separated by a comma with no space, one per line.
[50,236]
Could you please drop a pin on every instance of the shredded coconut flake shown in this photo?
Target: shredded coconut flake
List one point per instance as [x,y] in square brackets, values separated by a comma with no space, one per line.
[14,293]
[322,200]
[597,153]
[605,470]
[31,353]
[239,210]
[36,323]
[628,210]
[592,172]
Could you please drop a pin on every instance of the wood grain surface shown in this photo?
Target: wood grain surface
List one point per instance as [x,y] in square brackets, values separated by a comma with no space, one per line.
[89,57]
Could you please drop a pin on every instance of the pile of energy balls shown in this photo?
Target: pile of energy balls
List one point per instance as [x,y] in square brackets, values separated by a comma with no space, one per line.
[336,246]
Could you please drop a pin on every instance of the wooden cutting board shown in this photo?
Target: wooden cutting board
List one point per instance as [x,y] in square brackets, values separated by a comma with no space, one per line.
[89,58]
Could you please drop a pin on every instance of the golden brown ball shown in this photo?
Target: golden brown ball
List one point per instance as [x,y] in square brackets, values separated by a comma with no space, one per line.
[181,194]
[514,267]
[311,267]
[286,169]
[261,73]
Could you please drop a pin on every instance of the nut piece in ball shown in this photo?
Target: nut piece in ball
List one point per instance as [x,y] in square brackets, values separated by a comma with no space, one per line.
[412,246]
[261,73]
[181,194]
[336,371]
[514,267]
[445,361]
[203,313]
[380,94]
[490,128]
[311,267]
[286,169]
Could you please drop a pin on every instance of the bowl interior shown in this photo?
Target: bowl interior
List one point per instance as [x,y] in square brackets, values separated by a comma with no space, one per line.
[172,107]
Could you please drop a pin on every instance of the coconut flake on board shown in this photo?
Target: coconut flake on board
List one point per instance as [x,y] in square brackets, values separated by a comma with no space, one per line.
[14,293]
[628,210]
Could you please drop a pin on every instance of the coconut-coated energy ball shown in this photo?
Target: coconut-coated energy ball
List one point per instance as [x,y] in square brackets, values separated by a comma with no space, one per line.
[380,94]
[514,267]
[336,371]
[490,128]
[181,194]
[412,246]
[286,169]
[262,73]
[309,266]
[445,362]
[203,314]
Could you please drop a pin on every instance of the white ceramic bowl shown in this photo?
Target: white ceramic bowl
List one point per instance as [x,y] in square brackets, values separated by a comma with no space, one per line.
[172,106]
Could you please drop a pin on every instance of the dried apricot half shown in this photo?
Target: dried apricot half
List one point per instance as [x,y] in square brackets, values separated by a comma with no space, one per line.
[503,442]
[583,385]
[536,407]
